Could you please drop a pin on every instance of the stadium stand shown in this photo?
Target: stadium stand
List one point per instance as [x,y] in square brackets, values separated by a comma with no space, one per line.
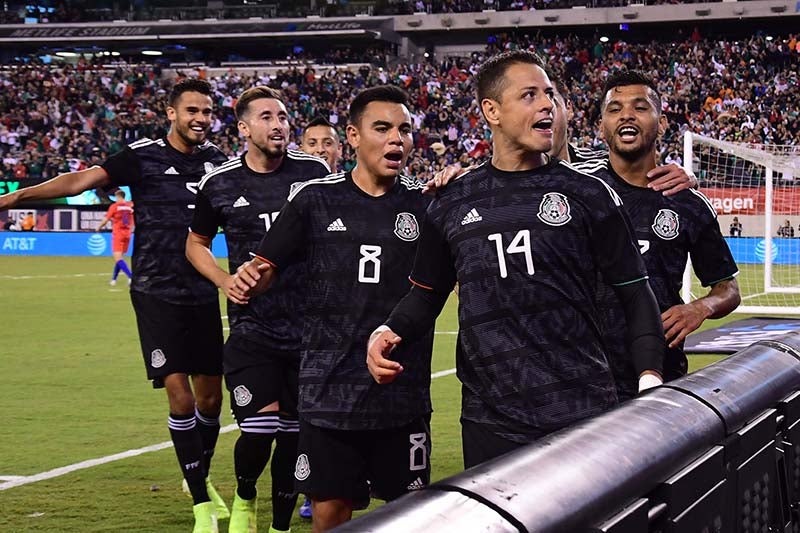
[745,90]
[94,11]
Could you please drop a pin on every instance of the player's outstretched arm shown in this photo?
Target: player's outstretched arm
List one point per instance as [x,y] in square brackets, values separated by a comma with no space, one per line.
[681,320]
[671,179]
[63,185]
[645,334]
[198,252]
[254,277]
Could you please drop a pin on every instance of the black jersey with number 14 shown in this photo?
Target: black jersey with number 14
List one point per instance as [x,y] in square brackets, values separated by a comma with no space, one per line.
[525,248]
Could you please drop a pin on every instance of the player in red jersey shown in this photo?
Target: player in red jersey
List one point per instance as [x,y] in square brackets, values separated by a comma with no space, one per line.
[121,216]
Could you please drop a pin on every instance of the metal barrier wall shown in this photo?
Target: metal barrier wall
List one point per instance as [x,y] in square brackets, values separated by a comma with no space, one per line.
[715,451]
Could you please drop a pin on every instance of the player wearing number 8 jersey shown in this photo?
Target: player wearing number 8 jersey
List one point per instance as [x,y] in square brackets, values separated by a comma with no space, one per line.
[358,231]
[524,238]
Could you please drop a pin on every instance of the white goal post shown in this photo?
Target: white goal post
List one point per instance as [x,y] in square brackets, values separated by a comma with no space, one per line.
[755,187]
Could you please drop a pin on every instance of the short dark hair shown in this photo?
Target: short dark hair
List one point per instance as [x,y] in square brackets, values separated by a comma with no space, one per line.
[490,79]
[255,93]
[379,93]
[188,85]
[319,121]
[625,78]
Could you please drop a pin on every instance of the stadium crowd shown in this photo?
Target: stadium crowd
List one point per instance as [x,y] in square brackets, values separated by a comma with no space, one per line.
[57,118]
[142,10]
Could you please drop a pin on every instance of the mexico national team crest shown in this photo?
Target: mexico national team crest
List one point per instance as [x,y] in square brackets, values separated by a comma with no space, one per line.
[554,209]
[242,396]
[302,469]
[157,358]
[666,224]
[406,227]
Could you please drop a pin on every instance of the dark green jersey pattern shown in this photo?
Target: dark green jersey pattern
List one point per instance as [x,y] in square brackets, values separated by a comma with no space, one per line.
[669,230]
[525,249]
[244,203]
[359,251]
[163,183]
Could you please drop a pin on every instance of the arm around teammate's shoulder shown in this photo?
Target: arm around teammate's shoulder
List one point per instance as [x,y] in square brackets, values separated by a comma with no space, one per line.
[63,185]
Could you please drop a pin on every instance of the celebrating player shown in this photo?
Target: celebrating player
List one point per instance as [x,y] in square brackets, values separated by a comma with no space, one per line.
[667,229]
[262,353]
[524,236]
[358,231]
[177,311]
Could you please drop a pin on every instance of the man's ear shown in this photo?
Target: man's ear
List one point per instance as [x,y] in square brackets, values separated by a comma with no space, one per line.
[491,111]
[353,136]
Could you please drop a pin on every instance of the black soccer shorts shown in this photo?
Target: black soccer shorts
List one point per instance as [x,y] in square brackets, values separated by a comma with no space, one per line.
[184,339]
[348,465]
[254,387]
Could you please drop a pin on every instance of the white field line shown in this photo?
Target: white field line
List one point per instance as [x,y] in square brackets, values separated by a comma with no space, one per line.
[53,276]
[9,482]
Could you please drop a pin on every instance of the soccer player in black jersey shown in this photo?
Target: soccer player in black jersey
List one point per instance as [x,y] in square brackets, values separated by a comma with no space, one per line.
[262,352]
[177,310]
[321,139]
[524,237]
[668,229]
[358,231]
[669,179]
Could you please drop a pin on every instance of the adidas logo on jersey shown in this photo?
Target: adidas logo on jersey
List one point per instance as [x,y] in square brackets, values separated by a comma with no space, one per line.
[337,225]
[171,171]
[241,202]
[417,484]
[471,217]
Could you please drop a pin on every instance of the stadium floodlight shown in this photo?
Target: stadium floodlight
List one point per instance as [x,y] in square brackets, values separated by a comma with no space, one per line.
[759,185]
[66,54]
[603,39]
[152,53]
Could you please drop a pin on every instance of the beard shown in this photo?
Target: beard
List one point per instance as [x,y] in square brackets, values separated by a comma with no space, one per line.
[269,151]
[188,136]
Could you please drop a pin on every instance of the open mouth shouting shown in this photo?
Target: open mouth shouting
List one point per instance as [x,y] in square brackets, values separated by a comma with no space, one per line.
[393,159]
[544,126]
[627,134]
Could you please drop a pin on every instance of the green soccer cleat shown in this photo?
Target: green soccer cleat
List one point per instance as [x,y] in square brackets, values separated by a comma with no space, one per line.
[205,518]
[244,516]
[222,509]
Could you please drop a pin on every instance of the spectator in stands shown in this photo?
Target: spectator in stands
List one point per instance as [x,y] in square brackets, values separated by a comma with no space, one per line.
[735,228]
[787,230]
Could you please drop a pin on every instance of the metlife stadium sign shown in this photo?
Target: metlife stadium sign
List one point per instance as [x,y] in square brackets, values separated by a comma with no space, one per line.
[70,243]
[195,30]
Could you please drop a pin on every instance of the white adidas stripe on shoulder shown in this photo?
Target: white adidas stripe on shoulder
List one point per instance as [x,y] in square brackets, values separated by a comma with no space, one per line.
[412,184]
[295,154]
[330,179]
[705,200]
[614,196]
[224,167]
[141,143]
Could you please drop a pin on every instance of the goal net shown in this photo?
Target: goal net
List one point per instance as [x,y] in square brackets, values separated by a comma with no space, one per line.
[756,192]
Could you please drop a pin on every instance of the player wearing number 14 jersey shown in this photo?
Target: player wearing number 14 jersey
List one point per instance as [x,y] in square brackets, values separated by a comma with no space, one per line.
[358,232]
[524,237]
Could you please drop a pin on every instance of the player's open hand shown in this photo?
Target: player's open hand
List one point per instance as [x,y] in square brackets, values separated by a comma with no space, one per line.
[671,179]
[253,277]
[443,177]
[232,291]
[680,320]
[381,343]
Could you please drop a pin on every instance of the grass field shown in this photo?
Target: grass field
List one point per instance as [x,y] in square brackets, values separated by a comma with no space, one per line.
[74,390]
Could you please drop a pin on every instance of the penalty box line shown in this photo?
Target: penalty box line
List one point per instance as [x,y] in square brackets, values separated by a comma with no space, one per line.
[9,482]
